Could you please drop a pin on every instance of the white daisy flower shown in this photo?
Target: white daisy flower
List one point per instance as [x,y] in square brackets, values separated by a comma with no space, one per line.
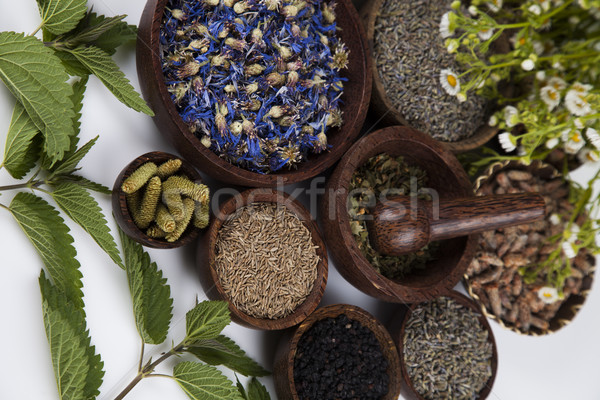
[507,141]
[552,143]
[493,121]
[535,9]
[521,152]
[545,4]
[550,96]
[473,10]
[578,123]
[462,97]
[568,250]
[581,87]
[557,83]
[511,116]
[538,47]
[555,219]
[593,137]
[450,82]
[577,103]
[446,30]
[573,233]
[528,64]
[494,5]
[452,45]
[587,156]
[573,141]
[548,294]
[540,75]
[485,34]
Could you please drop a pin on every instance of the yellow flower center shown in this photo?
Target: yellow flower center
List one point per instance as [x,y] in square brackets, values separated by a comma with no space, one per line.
[451,80]
[548,295]
[552,95]
[522,41]
[576,138]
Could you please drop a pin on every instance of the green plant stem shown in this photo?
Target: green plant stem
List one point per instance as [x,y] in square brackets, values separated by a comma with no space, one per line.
[3,206]
[37,29]
[26,185]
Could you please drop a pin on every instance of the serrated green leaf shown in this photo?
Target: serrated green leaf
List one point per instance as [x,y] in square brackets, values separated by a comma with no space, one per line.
[50,236]
[86,183]
[206,321]
[98,62]
[77,367]
[224,351]
[203,382]
[71,64]
[38,80]
[151,295]
[82,208]
[70,162]
[90,29]
[23,144]
[241,388]
[256,391]
[60,16]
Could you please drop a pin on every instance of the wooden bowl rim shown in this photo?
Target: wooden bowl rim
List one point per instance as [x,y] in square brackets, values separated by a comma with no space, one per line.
[316,164]
[123,216]
[481,135]
[353,159]
[466,302]
[574,303]
[388,346]
[267,195]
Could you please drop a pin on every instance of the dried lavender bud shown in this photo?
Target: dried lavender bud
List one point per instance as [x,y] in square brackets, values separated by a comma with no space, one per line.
[164,220]
[145,215]
[168,168]
[139,177]
[188,211]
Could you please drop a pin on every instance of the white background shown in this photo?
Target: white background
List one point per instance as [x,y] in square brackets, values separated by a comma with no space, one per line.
[560,366]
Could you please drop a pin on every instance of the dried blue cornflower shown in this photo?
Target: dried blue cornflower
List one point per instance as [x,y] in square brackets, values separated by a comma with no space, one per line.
[257,81]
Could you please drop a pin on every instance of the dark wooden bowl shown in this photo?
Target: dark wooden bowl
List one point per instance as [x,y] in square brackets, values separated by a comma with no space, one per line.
[357,92]
[283,368]
[569,309]
[210,278]
[446,176]
[121,211]
[397,328]
[382,106]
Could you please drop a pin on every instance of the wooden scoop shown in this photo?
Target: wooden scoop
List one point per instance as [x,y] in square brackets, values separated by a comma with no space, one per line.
[403,224]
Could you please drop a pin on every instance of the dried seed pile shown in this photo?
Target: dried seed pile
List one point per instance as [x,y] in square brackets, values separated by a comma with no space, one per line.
[339,358]
[266,260]
[163,202]
[494,272]
[446,351]
[409,55]
[387,176]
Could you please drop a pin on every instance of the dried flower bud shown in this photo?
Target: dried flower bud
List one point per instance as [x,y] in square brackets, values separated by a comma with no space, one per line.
[248,127]
[218,60]
[139,177]
[168,168]
[221,123]
[147,210]
[178,14]
[294,65]
[180,34]
[188,69]
[275,79]
[255,105]
[339,58]
[285,52]
[235,44]
[328,13]
[300,5]
[323,102]
[318,81]
[223,33]
[241,7]
[275,112]
[188,209]
[304,32]
[251,88]
[179,91]
[256,35]
[334,119]
[206,142]
[229,89]
[286,121]
[273,5]
[307,130]
[295,29]
[324,40]
[236,128]
[229,3]
[211,3]
[292,78]
[254,69]
[289,11]
[321,143]
[164,220]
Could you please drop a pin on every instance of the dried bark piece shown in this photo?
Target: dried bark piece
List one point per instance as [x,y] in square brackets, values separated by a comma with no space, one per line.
[519,244]
[489,238]
[503,181]
[491,259]
[515,260]
[506,300]
[524,318]
[512,316]
[493,294]
[539,323]
[492,274]
[504,249]
[507,276]
[517,285]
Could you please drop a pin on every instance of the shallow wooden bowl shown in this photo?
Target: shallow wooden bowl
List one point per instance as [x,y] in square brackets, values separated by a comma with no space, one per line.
[382,106]
[446,176]
[121,211]
[357,92]
[397,329]
[569,309]
[283,368]
[210,278]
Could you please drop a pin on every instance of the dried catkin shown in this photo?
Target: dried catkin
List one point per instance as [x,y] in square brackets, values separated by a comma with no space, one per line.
[201,214]
[168,168]
[145,215]
[164,219]
[139,177]
[188,211]
[186,187]
[155,232]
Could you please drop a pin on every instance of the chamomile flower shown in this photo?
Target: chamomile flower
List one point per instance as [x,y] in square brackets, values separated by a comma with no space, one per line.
[485,34]
[552,143]
[493,121]
[452,45]
[446,26]
[557,83]
[535,9]
[473,10]
[540,75]
[545,4]
[550,96]
[462,97]
[511,116]
[528,64]
[587,156]
[568,250]
[494,5]
[581,87]
[578,123]
[450,82]
[573,141]
[577,103]
[555,219]
[507,141]
[593,136]
[548,295]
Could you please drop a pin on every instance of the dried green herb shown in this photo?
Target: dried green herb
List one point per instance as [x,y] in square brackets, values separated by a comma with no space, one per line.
[383,175]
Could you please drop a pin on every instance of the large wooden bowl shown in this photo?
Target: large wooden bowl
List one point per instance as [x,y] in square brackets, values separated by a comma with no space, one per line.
[381,104]
[207,254]
[283,368]
[357,92]
[397,329]
[446,176]
[121,211]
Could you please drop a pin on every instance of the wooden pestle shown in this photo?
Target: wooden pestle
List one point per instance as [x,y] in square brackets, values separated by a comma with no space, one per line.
[398,227]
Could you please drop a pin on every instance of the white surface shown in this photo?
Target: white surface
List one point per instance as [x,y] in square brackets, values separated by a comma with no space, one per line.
[556,367]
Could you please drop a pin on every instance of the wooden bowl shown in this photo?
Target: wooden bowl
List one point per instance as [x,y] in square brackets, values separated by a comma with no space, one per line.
[121,211]
[357,92]
[569,309]
[445,175]
[283,368]
[382,106]
[397,329]
[207,254]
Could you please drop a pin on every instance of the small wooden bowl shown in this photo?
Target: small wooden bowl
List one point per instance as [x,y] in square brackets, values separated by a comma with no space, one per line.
[382,106]
[569,309]
[121,211]
[207,254]
[445,175]
[357,92]
[397,329]
[283,368]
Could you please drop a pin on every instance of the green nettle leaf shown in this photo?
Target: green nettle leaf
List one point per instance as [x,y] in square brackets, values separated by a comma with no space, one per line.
[203,382]
[206,321]
[86,183]
[91,28]
[70,162]
[50,236]
[38,80]
[152,303]
[23,144]
[257,391]
[82,208]
[99,63]
[60,16]
[77,367]
[71,64]
[224,351]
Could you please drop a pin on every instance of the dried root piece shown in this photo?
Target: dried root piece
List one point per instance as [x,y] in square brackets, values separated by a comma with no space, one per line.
[139,177]
[188,206]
